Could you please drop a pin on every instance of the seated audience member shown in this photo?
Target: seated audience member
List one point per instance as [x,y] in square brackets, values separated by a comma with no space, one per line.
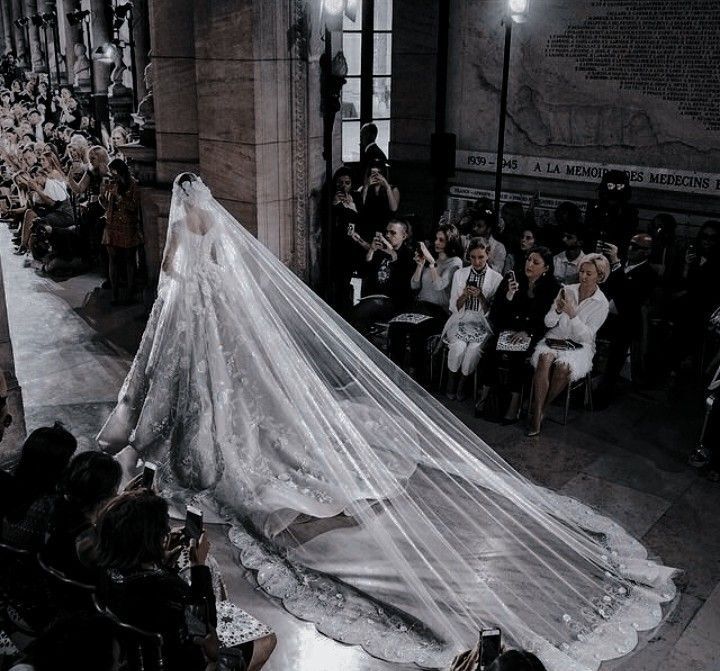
[140,589]
[482,226]
[90,188]
[10,70]
[55,208]
[118,138]
[568,216]
[44,102]
[5,416]
[516,660]
[566,265]
[132,534]
[511,660]
[566,353]
[468,329]
[628,289]
[519,248]
[699,294]
[89,482]
[512,220]
[29,493]
[388,265]
[432,281]
[518,318]
[78,642]
[123,232]
[379,200]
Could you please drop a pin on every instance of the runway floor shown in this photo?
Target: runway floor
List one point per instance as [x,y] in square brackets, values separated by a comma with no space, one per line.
[72,351]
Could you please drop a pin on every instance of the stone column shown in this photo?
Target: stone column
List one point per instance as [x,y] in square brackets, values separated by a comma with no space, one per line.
[245,114]
[19,38]
[73,34]
[100,22]
[174,90]
[141,34]
[5,38]
[36,50]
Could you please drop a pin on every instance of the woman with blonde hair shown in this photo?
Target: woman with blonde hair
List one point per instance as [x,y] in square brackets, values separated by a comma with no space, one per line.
[566,353]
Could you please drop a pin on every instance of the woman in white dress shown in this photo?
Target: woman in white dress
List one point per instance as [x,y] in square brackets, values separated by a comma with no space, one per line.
[358,500]
[573,321]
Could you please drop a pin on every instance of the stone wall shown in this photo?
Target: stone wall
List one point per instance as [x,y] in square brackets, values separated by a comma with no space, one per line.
[624,83]
[234,101]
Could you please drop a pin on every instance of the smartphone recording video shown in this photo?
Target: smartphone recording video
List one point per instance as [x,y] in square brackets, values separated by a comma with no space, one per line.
[490,645]
[148,479]
[193,523]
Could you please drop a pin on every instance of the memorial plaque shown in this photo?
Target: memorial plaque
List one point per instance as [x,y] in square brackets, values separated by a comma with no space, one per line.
[606,83]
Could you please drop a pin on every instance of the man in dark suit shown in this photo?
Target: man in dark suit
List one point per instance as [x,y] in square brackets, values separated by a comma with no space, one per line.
[628,289]
[369,151]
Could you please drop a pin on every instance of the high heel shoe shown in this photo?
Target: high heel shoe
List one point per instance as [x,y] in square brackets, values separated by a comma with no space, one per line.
[535,432]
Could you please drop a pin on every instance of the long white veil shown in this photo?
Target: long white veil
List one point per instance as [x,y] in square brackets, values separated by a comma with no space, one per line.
[359,500]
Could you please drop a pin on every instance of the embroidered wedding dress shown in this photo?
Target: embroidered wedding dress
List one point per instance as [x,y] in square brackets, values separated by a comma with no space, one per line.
[357,499]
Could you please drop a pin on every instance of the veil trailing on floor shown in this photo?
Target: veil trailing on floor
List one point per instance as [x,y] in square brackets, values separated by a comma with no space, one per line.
[358,500]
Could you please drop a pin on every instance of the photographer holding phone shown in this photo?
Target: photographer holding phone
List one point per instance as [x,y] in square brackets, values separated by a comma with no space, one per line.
[379,199]
[138,551]
[139,587]
[432,281]
[388,265]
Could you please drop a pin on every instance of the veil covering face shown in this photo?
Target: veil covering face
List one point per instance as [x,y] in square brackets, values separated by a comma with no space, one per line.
[359,500]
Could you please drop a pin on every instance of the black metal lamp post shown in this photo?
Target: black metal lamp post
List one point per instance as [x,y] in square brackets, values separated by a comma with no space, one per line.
[517,11]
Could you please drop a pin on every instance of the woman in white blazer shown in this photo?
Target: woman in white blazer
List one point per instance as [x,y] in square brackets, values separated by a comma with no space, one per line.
[468,329]
[577,313]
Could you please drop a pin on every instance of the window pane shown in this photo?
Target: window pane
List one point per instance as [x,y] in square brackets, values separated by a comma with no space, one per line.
[381,97]
[382,54]
[351,49]
[353,9]
[383,138]
[351,141]
[383,15]
[351,99]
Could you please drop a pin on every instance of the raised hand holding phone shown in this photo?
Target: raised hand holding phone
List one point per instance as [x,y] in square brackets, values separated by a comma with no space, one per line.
[490,647]
[199,550]
[193,523]
[426,253]
[513,285]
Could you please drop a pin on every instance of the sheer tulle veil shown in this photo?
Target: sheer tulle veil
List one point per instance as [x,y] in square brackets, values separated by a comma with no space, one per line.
[358,500]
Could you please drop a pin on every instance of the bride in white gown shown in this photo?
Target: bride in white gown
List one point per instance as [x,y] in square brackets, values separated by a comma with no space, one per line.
[360,501]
